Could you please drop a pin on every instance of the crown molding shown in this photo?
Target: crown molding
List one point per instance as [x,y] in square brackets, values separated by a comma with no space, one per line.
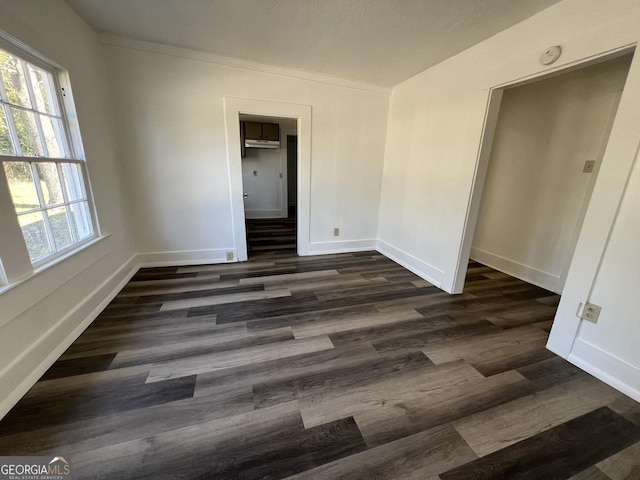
[162,49]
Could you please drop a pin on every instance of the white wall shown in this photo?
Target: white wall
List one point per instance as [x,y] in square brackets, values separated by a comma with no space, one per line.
[264,188]
[42,316]
[434,136]
[172,135]
[535,193]
[610,347]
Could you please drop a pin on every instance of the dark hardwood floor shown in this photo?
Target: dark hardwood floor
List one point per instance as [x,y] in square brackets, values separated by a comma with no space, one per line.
[334,367]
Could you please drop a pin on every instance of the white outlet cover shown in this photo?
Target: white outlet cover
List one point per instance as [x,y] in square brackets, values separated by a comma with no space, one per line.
[550,55]
[591,312]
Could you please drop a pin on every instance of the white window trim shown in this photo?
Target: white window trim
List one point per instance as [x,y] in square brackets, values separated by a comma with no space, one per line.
[15,265]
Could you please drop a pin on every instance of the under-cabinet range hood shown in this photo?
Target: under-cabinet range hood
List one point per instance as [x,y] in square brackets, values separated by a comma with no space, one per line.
[249,143]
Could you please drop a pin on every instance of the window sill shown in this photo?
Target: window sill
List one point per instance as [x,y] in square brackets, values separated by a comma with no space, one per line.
[52,263]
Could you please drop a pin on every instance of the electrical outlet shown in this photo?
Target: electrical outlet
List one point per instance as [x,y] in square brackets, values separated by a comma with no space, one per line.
[255,173]
[336,232]
[229,256]
[589,165]
[591,312]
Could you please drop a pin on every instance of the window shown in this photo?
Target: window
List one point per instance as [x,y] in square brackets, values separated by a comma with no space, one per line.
[44,174]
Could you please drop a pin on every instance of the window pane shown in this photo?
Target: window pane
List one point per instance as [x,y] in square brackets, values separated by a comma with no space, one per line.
[82,219]
[52,130]
[41,83]
[73,181]
[28,135]
[60,227]
[35,235]
[22,186]
[6,147]
[50,183]
[13,79]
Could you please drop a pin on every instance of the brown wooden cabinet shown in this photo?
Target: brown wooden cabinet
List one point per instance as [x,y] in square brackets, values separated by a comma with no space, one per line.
[261,131]
[270,131]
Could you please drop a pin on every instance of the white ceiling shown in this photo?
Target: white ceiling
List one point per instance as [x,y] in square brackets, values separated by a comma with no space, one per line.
[381,42]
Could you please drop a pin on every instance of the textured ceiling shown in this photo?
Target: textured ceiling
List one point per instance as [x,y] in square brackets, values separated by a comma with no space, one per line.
[381,42]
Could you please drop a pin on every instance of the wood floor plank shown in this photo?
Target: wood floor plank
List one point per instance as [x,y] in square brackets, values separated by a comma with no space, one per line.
[402,387]
[67,368]
[168,297]
[298,303]
[533,312]
[591,473]
[510,356]
[311,317]
[287,369]
[425,304]
[469,346]
[274,392]
[162,330]
[499,427]
[202,345]
[420,337]
[628,408]
[220,299]
[132,294]
[227,267]
[99,432]
[342,366]
[544,326]
[140,325]
[399,417]
[404,330]
[367,290]
[146,277]
[353,322]
[199,280]
[550,372]
[127,459]
[129,310]
[76,404]
[415,457]
[213,449]
[243,356]
[576,445]
[622,465]
[289,277]
[126,340]
[325,283]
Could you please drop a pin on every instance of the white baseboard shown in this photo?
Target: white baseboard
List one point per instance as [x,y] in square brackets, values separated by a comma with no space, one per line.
[424,270]
[47,349]
[527,273]
[264,214]
[187,257]
[604,366]
[343,246]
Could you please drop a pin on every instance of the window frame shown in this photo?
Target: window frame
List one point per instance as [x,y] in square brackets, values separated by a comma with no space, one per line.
[62,108]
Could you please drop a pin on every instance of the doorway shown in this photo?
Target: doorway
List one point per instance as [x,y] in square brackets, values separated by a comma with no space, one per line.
[541,152]
[301,115]
[269,180]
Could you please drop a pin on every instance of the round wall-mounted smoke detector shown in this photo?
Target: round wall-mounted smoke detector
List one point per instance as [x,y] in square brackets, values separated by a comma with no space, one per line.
[550,55]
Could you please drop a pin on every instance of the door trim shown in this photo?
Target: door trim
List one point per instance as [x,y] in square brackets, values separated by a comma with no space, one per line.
[610,185]
[233,107]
